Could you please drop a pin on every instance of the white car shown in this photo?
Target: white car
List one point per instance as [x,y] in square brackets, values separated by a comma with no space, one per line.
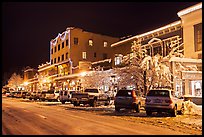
[163,100]
[52,95]
[65,95]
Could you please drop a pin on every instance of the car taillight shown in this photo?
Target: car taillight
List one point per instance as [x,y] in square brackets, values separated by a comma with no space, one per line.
[133,95]
[169,101]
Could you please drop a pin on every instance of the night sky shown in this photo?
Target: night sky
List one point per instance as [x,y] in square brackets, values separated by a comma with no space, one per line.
[28,27]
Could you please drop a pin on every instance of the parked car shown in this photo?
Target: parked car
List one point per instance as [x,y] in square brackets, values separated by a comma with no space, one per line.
[65,95]
[16,94]
[42,95]
[52,95]
[128,99]
[33,95]
[91,96]
[163,100]
[23,94]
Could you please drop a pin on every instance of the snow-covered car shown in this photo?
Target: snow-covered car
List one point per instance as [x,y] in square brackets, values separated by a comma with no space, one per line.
[65,95]
[128,99]
[52,95]
[163,100]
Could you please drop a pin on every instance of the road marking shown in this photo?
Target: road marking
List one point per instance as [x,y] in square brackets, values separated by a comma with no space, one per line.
[41,116]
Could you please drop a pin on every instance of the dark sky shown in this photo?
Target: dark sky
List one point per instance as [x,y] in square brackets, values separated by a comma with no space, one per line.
[29,27]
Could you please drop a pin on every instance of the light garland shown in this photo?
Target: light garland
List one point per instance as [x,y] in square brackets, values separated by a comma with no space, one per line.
[61,36]
[189,10]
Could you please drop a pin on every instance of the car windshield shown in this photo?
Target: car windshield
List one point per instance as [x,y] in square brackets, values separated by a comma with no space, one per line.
[124,93]
[91,90]
[162,93]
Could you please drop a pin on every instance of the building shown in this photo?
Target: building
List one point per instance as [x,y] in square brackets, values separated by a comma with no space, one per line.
[30,78]
[188,30]
[191,18]
[72,53]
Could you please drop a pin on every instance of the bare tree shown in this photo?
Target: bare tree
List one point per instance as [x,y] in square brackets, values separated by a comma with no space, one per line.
[15,81]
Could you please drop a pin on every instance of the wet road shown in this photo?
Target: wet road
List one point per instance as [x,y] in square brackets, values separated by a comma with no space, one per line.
[29,118]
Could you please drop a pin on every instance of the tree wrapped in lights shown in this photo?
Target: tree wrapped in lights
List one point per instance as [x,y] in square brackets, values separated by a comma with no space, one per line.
[15,81]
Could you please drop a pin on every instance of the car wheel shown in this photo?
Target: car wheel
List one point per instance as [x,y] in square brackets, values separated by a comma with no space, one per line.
[76,104]
[181,112]
[63,102]
[117,109]
[58,100]
[93,103]
[137,108]
[174,112]
[149,113]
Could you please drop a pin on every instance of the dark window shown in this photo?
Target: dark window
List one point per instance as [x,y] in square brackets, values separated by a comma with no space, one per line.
[163,93]
[62,57]
[95,54]
[198,37]
[157,50]
[105,56]
[52,61]
[62,45]
[55,60]
[52,51]
[65,93]
[91,90]
[76,41]
[58,59]
[67,42]
[67,55]
[58,47]
[55,48]
[124,93]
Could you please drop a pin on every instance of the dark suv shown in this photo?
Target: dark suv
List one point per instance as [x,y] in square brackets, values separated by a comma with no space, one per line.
[128,99]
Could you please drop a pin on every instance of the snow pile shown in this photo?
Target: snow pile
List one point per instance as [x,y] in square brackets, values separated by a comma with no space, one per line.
[192,109]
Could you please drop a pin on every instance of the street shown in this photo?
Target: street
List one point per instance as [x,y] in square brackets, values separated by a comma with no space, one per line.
[20,117]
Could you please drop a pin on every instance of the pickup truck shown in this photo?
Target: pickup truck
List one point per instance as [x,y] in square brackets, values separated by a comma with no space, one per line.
[93,97]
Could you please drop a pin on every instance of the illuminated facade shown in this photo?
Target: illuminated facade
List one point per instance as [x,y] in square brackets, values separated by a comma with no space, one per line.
[188,30]
[191,18]
[72,53]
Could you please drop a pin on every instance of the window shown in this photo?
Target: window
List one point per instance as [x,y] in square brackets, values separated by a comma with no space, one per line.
[105,56]
[62,45]
[67,42]
[52,61]
[76,41]
[84,55]
[90,42]
[198,37]
[118,59]
[62,57]
[105,44]
[67,55]
[157,50]
[55,48]
[58,47]
[55,60]
[95,54]
[58,59]
[52,51]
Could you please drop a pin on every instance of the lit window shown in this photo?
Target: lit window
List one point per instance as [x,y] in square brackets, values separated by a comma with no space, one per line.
[118,59]
[90,42]
[84,55]
[198,37]
[105,43]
